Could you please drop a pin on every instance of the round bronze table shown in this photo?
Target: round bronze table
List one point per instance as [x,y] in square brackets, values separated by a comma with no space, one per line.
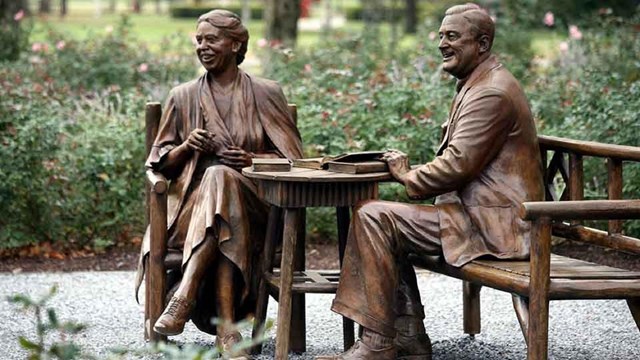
[292,192]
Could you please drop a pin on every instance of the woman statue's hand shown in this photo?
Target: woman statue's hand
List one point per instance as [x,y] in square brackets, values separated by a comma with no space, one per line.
[235,157]
[202,140]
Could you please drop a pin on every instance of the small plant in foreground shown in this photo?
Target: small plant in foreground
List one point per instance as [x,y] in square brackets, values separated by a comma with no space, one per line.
[47,322]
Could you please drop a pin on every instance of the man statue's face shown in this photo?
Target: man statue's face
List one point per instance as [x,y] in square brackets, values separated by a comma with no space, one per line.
[458,45]
[215,50]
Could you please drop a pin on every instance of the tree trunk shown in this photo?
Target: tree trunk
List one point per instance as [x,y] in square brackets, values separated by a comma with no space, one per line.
[12,13]
[328,16]
[246,12]
[45,7]
[9,8]
[411,17]
[136,5]
[281,19]
[63,8]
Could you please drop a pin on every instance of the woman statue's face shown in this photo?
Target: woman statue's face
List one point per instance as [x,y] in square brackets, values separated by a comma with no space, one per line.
[215,50]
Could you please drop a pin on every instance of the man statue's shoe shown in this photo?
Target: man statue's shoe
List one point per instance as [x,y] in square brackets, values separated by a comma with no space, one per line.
[361,351]
[227,345]
[175,315]
[415,347]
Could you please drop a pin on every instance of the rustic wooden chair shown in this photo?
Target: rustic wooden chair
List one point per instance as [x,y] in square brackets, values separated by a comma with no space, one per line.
[161,259]
[547,276]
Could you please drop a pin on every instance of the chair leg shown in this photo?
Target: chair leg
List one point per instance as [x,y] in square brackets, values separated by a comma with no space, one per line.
[471,308]
[634,307]
[538,331]
[521,306]
[266,266]
[156,277]
[540,265]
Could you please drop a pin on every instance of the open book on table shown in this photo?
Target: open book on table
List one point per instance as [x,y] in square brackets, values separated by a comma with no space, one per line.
[352,163]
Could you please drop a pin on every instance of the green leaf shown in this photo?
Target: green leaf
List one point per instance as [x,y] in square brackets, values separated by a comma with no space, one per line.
[53,318]
[28,345]
[65,351]
[24,300]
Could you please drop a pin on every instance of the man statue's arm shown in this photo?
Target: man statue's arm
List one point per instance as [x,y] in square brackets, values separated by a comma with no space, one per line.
[481,129]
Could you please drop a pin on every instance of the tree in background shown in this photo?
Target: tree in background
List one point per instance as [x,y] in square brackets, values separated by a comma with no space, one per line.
[13,34]
[246,12]
[281,21]
[136,5]
[411,16]
[44,7]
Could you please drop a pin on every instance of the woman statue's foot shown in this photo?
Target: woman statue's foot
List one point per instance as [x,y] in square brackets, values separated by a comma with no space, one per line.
[175,315]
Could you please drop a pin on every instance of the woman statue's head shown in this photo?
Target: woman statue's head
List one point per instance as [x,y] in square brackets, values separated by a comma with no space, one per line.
[221,40]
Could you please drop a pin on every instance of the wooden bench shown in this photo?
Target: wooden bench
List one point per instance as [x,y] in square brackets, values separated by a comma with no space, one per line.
[547,276]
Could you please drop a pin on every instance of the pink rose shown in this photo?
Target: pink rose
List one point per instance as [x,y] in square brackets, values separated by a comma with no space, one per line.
[575,33]
[549,19]
[563,46]
[35,47]
[307,68]
[143,68]
[432,35]
[19,15]
[60,45]
[262,42]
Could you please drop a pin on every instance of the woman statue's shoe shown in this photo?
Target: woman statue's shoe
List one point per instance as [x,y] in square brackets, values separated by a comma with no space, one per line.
[175,315]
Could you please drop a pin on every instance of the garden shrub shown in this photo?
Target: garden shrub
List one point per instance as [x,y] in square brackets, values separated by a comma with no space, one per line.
[72,136]
[592,92]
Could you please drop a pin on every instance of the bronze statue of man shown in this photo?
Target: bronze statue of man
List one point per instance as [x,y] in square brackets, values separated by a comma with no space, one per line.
[487,165]
[211,128]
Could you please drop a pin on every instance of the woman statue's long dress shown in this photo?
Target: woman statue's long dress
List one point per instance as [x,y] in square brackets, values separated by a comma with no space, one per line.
[211,128]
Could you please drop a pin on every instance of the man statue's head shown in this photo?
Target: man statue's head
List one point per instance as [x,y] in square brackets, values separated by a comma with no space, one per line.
[221,40]
[466,36]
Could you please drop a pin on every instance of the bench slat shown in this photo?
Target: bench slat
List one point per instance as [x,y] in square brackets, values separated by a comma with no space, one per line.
[564,267]
[610,283]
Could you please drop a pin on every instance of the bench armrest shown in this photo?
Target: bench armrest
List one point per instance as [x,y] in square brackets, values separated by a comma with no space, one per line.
[581,210]
[157,181]
[590,148]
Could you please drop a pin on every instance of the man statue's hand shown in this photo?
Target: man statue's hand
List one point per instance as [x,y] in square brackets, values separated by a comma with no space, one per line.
[202,141]
[398,163]
[236,157]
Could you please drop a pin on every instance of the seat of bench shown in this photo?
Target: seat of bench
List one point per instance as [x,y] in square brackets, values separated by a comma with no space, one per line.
[569,278]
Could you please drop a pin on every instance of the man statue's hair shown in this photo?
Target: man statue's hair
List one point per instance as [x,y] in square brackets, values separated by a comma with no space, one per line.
[480,21]
[231,26]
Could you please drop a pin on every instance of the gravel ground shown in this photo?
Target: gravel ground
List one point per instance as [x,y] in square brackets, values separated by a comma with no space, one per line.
[103,300]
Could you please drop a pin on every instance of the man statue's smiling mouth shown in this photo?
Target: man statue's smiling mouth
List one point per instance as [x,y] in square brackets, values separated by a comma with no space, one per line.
[447,55]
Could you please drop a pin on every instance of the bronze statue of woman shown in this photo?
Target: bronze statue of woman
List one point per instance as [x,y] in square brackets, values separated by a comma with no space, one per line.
[211,128]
